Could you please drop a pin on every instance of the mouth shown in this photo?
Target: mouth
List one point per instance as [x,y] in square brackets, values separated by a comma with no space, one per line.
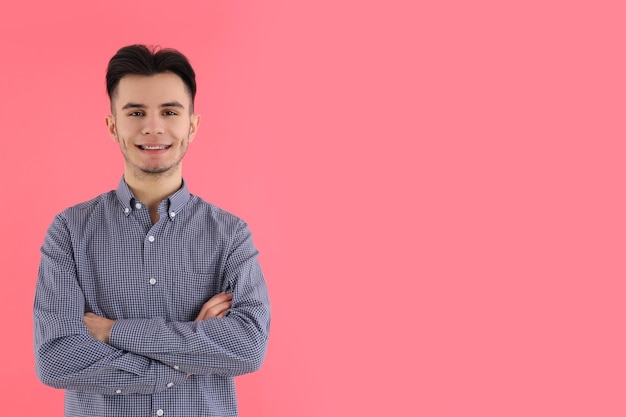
[153,147]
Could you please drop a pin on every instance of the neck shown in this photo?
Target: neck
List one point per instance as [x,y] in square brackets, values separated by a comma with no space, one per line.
[151,189]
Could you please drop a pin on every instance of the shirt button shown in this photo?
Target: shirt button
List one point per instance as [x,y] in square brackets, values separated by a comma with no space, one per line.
[151,238]
[126,210]
[152,281]
[137,206]
[170,384]
[159,412]
[118,391]
[176,367]
[172,214]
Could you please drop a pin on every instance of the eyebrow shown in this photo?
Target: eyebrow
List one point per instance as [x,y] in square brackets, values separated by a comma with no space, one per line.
[143,106]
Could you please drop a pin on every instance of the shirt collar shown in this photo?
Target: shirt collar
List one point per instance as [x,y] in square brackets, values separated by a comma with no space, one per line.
[174,204]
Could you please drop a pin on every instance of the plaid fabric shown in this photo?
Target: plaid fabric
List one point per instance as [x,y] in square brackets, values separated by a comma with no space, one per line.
[105,256]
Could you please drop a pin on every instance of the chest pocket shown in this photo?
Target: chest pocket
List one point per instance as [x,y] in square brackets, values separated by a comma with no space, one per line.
[187,291]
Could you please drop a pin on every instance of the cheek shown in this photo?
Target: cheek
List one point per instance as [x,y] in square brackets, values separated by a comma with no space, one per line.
[121,139]
[124,134]
[182,136]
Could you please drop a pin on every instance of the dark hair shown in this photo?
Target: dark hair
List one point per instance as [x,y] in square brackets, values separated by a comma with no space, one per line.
[141,60]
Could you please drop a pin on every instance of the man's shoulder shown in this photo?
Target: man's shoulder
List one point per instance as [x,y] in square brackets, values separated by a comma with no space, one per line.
[213,212]
[103,200]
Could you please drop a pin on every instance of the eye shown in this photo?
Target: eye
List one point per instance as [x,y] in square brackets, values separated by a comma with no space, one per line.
[169,113]
[136,113]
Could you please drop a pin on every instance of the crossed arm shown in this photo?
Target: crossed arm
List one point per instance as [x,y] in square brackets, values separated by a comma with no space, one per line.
[100,327]
[144,355]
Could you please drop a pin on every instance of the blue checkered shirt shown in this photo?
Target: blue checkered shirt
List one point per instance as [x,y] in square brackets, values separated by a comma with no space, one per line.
[105,256]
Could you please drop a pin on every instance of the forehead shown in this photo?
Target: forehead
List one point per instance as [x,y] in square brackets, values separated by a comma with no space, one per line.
[151,90]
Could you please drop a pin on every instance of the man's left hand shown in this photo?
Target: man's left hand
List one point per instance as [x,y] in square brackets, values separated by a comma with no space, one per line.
[99,327]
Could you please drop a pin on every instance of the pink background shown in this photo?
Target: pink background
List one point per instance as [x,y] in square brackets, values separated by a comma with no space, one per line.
[436,189]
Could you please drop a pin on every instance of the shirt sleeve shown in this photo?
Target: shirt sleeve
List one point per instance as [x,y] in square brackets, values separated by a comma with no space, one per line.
[233,345]
[66,356]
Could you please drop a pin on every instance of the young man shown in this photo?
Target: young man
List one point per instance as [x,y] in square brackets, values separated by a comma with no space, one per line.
[149,300]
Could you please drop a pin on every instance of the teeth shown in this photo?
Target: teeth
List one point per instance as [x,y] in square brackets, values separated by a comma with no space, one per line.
[154,147]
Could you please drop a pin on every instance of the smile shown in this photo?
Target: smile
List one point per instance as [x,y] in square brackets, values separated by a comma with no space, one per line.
[151,148]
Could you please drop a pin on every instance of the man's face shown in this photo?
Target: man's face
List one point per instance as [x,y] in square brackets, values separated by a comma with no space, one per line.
[152,123]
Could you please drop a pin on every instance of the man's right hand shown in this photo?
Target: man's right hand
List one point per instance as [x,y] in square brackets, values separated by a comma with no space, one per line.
[217,306]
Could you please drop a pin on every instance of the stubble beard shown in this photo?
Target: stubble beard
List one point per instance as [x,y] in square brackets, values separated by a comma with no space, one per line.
[157,171]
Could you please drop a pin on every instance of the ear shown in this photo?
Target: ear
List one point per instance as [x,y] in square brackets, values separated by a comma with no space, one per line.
[110,122]
[194,122]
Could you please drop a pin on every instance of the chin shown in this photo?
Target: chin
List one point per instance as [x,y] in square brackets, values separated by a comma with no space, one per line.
[155,170]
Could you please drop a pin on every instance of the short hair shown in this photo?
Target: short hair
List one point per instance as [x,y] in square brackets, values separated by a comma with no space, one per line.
[142,60]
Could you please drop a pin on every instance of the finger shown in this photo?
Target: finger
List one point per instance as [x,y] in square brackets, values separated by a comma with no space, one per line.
[214,301]
[209,310]
[215,310]
[220,298]
[206,306]
[222,309]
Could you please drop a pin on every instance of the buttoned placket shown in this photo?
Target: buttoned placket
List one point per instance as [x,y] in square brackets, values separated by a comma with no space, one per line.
[151,255]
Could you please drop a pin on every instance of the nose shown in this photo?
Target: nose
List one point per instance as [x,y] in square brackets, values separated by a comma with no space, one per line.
[153,125]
